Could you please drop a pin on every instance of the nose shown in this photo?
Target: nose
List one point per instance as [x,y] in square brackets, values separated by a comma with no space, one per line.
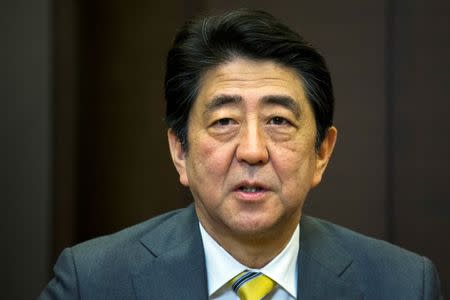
[252,147]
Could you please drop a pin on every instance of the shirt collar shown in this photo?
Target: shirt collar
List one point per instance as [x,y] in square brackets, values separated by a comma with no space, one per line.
[221,266]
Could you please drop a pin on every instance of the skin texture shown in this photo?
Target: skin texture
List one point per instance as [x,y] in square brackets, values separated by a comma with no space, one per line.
[251,159]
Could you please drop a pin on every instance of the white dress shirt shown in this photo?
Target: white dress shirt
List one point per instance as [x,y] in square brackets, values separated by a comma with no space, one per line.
[221,267]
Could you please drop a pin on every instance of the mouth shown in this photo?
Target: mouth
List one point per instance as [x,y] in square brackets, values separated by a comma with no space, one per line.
[250,191]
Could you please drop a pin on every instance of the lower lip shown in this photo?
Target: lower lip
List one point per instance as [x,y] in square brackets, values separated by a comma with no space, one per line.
[246,196]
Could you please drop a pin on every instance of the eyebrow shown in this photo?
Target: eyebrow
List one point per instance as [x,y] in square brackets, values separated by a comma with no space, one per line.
[222,100]
[281,100]
[285,101]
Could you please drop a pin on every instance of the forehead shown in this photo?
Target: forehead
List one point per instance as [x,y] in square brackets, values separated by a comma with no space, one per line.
[251,79]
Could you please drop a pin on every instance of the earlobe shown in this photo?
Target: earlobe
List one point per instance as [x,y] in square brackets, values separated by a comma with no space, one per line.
[324,154]
[178,156]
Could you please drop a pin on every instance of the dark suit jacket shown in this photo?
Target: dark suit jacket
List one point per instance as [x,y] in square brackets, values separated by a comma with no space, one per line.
[163,258]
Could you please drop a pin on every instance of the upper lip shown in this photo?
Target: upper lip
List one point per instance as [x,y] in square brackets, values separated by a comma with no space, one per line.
[248,183]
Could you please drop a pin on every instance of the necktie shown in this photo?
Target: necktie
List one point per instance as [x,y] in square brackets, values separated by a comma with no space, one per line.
[252,285]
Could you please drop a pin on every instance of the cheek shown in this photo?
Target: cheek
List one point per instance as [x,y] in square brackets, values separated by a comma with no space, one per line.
[209,160]
[294,163]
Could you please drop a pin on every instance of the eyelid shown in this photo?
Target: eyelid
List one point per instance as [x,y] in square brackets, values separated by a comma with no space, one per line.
[216,122]
[286,120]
[290,125]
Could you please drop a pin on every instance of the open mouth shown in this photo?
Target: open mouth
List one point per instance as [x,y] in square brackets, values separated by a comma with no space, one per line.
[251,192]
[251,189]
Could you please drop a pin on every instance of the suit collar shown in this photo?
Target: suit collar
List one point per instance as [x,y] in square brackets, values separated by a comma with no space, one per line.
[176,267]
[324,267]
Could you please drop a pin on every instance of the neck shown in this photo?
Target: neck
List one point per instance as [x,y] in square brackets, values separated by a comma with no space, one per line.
[254,250]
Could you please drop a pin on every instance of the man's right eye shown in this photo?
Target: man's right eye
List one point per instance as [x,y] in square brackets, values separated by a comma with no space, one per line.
[224,122]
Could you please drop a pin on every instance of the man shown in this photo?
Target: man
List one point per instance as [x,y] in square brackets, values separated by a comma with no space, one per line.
[249,109]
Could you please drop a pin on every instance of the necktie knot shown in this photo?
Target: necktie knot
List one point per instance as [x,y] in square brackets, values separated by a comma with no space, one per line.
[250,285]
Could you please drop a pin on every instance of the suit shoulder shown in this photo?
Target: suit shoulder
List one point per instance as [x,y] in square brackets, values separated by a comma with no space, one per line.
[104,265]
[123,248]
[126,235]
[369,250]
[374,265]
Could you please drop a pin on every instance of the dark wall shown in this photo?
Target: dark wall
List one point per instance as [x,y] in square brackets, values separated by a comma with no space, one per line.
[125,174]
[26,155]
[420,94]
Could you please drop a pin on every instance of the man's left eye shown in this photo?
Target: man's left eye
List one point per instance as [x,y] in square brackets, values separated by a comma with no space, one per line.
[279,121]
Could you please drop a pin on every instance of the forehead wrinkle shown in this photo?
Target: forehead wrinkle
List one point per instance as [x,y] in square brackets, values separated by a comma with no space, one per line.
[284,101]
[244,81]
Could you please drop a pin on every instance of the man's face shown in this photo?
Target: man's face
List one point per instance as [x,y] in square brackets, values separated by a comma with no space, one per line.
[251,156]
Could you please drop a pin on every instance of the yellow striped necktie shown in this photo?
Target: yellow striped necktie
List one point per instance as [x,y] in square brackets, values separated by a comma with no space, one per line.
[252,285]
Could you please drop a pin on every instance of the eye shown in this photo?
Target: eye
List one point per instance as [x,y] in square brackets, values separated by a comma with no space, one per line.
[224,122]
[279,121]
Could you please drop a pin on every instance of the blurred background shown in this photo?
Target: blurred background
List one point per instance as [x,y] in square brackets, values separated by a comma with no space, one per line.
[86,151]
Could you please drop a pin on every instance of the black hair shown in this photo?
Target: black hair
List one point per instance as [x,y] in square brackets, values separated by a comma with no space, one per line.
[208,42]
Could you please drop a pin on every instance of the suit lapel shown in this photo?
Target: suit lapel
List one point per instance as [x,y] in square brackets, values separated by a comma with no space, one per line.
[175,266]
[324,267]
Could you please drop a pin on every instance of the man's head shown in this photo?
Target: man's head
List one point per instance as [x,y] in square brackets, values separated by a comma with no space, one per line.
[209,42]
[249,110]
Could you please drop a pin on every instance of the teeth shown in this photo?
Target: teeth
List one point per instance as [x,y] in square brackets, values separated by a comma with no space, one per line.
[250,189]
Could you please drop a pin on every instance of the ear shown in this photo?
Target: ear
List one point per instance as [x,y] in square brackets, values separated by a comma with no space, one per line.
[178,156]
[324,155]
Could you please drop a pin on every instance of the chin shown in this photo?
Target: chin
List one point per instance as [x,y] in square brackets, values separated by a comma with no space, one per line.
[253,227]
